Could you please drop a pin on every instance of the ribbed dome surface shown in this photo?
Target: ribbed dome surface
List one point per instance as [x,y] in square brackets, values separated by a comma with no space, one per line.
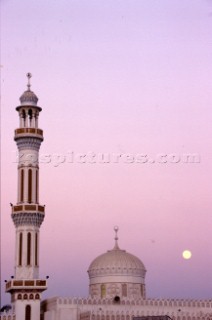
[29,97]
[116,262]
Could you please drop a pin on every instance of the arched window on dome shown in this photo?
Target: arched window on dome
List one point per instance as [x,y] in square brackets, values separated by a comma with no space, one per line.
[124,290]
[103,291]
[142,290]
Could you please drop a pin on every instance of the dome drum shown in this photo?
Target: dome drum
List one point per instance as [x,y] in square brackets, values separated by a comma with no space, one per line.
[122,290]
[117,279]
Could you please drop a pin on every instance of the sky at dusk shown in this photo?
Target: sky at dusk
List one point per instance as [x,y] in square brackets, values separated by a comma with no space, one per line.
[126,92]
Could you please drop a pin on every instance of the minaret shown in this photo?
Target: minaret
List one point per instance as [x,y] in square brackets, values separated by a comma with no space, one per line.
[25,286]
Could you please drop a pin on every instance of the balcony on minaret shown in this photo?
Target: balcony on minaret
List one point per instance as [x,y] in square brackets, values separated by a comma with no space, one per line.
[30,214]
[28,208]
[29,132]
[14,285]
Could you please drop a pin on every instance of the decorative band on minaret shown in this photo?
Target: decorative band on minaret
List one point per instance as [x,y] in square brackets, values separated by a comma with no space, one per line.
[27,214]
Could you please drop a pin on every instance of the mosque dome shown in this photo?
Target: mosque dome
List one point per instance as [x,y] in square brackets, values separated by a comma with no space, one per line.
[114,270]
[116,262]
[29,98]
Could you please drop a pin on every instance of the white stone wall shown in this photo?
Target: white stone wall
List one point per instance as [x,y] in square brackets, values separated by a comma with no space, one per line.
[25,271]
[20,307]
[91,309]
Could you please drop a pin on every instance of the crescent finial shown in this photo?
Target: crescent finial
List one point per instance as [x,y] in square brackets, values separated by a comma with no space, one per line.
[116,229]
[29,76]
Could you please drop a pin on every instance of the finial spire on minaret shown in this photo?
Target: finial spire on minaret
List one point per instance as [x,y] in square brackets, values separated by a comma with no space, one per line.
[116,229]
[29,75]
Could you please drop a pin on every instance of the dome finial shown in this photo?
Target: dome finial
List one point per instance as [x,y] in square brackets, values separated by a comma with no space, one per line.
[116,229]
[29,75]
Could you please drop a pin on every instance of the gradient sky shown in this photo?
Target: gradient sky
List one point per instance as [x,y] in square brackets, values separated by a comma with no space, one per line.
[118,77]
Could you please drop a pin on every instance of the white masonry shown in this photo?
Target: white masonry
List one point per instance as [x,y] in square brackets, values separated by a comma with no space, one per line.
[25,286]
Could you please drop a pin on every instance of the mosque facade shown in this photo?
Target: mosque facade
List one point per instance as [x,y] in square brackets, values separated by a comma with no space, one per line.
[117,292]
[117,288]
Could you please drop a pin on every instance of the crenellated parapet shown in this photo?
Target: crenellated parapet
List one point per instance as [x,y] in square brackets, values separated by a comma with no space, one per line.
[106,309]
[139,302]
[7,316]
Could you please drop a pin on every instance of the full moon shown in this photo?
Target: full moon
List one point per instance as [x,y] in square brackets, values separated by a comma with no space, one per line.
[186,254]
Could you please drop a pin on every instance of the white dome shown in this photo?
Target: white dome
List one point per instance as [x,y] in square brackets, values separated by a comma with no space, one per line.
[117,273]
[116,262]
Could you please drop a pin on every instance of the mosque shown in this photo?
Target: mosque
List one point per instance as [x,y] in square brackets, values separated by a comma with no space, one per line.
[116,278]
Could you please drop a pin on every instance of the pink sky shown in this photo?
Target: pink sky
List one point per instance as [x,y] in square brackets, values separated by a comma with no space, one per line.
[117,77]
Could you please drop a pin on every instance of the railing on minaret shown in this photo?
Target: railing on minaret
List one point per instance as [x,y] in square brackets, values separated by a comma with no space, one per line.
[27,214]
